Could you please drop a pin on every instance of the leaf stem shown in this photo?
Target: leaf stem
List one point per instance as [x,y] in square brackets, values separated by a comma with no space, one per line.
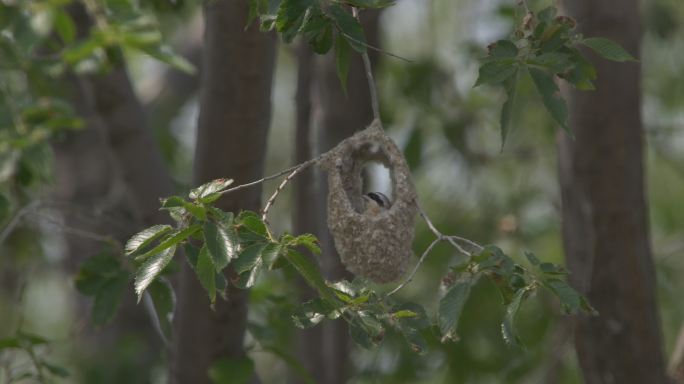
[369,75]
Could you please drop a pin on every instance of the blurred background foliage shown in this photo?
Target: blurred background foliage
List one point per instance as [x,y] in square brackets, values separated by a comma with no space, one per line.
[450,134]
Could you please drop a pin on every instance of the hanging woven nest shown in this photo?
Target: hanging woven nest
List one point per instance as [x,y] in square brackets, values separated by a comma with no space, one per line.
[376,247]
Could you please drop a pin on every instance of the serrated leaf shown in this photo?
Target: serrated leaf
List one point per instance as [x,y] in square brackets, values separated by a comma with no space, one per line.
[508,330]
[608,49]
[221,243]
[494,72]
[210,188]
[206,273]
[349,28]
[451,307]
[318,31]
[359,334]
[164,301]
[248,278]
[108,299]
[551,97]
[151,268]
[233,370]
[342,61]
[248,258]
[170,241]
[143,238]
[309,241]
[510,86]
[271,254]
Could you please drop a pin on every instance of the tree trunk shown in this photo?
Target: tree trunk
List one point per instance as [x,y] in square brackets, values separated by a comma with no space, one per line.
[232,129]
[336,116]
[605,224]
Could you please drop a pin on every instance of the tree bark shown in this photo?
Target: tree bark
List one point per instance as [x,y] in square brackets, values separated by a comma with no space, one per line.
[235,114]
[605,224]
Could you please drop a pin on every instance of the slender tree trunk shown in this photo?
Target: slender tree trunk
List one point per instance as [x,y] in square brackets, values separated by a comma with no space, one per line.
[605,225]
[233,125]
[336,116]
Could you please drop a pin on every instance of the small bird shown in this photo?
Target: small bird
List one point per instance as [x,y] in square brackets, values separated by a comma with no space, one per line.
[376,203]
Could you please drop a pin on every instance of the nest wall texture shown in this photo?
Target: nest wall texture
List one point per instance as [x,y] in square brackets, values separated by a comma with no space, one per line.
[376,247]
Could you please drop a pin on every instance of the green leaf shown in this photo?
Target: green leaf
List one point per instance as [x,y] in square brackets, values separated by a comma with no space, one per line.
[349,28]
[342,61]
[494,72]
[450,309]
[151,268]
[503,49]
[366,330]
[608,49]
[164,303]
[551,97]
[532,258]
[65,26]
[508,330]
[290,17]
[221,243]
[581,74]
[210,188]
[256,8]
[547,14]
[248,278]
[9,343]
[555,62]
[271,254]
[248,258]
[510,86]
[95,271]
[170,241]
[311,313]
[176,201]
[108,299]
[253,222]
[191,254]
[236,370]
[145,237]
[309,241]
[311,274]
[318,31]
[206,273]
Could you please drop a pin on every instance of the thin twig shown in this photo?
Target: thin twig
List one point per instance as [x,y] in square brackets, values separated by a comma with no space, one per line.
[376,49]
[17,218]
[415,269]
[369,75]
[301,166]
[282,185]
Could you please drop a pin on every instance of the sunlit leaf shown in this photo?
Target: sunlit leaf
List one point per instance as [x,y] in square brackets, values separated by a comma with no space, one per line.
[151,268]
[209,188]
[145,237]
[221,243]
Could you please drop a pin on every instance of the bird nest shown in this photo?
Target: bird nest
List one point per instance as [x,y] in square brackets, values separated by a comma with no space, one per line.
[375,246]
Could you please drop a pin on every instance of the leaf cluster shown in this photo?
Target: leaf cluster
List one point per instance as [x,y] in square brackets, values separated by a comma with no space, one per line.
[323,24]
[545,47]
[515,283]
[38,369]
